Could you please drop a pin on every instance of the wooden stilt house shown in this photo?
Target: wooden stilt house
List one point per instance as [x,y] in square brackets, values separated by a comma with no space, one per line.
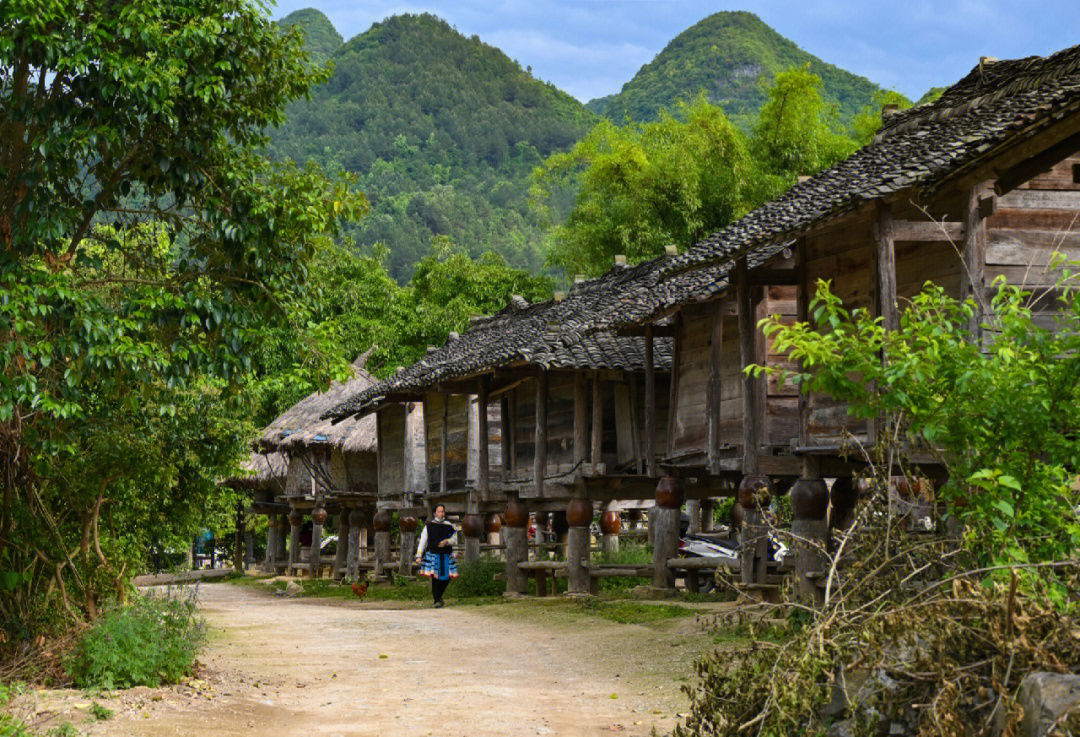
[984,181]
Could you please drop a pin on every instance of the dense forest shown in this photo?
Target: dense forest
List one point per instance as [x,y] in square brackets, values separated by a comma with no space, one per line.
[442,131]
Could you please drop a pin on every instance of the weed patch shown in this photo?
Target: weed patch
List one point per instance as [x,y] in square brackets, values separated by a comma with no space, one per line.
[152,641]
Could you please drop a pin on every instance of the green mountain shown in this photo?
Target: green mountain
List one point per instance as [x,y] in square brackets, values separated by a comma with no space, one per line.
[442,131]
[729,55]
[319,33]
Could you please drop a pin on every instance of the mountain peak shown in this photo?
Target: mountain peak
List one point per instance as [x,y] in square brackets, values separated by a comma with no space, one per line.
[730,55]
[320,36]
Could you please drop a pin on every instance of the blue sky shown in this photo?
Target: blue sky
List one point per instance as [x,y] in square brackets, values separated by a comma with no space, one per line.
[591,47]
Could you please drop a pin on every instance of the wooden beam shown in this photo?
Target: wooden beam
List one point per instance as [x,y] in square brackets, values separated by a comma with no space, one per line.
[637,331]
[748,298]
[926,230]
[973,280]
[650,404]
[773,277]
[597,421]
[540,449]
[715,387]
[673,387]
[581,420]
[1032,166]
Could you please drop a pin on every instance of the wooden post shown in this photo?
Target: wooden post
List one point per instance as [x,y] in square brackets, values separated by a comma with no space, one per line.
[673,388]
[707,507]
[356,522]
[281,550]
[665,516]
[271,543]
[650,403]
[238,542]
[505,424]
[540,452]
[483,471]
[510,429]
[579,513]
[343,536]
[581,422]
[715,387]
[693,511]
[885,260]
[296,518]
[516,532]
[443,442]
[407,528]
[973,279]
[802,309]
[753,409]
[596,451]
[249,548]
[809,528]
[318,518]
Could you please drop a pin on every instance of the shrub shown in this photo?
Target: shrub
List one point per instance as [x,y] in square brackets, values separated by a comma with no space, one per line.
[152,641]
[478,579]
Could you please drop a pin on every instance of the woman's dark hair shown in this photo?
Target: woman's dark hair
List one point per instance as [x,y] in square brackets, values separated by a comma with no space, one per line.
[436,507]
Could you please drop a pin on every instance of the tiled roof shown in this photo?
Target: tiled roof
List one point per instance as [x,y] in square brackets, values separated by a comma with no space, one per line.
[551,334]
[918,148]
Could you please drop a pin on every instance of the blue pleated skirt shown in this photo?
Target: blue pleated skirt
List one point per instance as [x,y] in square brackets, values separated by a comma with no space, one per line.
[442,567]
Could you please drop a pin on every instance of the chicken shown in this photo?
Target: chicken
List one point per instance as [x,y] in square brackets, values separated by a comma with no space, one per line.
[360,589]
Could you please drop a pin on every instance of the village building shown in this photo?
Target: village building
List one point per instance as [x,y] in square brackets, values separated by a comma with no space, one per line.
[981,183]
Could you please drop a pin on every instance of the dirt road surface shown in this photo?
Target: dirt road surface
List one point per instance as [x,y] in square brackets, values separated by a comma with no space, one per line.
[309,667]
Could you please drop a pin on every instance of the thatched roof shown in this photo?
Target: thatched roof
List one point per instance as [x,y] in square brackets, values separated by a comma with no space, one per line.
[260,471]
[300,426]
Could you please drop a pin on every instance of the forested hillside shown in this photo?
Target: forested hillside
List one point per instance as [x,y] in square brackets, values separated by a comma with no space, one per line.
[442,131]
[729,55]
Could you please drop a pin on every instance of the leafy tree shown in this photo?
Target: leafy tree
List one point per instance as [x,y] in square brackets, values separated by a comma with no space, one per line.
[868,122]
[793,135]
[643,186]
[1011,463]
[144,246]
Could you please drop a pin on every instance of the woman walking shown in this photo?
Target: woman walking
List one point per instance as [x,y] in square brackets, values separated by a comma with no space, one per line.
[435,553]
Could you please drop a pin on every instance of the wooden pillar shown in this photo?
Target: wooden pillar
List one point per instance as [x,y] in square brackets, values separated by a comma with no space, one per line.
[517,544]
[650,403]
[318,518]
[669,499]
[249,548]
[443,442]
[597,429]
[407,526]
[540,452]
[381,522]
[973,280]
[238,541]
[693,510]
[581,422]
[506,424]
[885,289]
[342,557]
[753,407]
[714,389]
[707,522]
[483,471]
[296,518]
[802,314]
[271,543]
[673,389]
[356,520]
[281,550]
[755,495]
[472,526]
[810,530]
[579,514]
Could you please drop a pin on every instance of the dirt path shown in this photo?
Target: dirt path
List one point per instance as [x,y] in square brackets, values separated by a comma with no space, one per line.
[288,667]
